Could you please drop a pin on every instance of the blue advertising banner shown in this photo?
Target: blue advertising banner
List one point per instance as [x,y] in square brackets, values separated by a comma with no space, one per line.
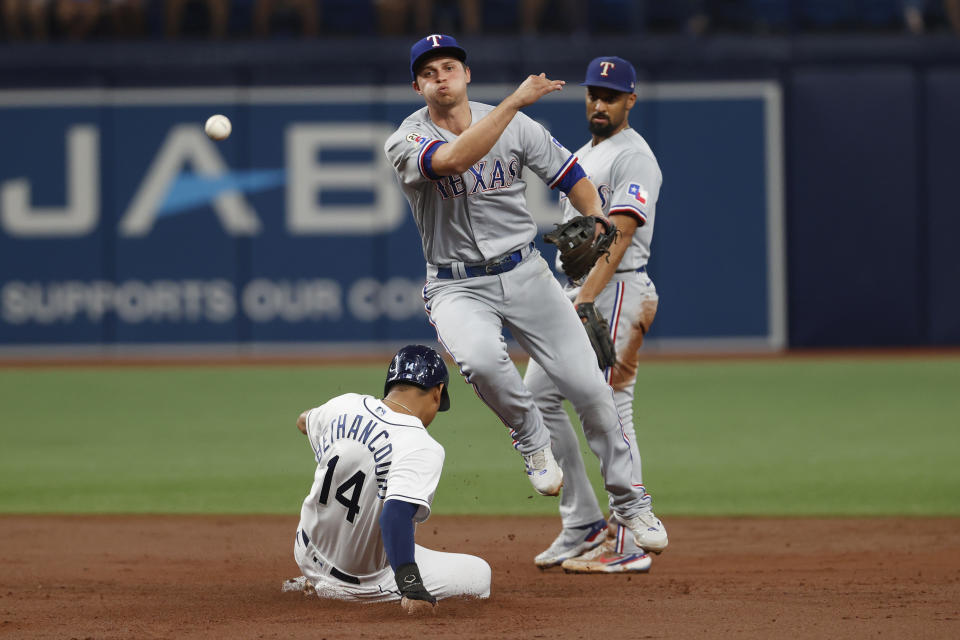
[121,223]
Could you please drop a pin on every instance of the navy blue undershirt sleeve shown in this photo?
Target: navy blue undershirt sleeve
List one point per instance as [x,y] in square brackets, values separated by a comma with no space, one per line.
[396,525]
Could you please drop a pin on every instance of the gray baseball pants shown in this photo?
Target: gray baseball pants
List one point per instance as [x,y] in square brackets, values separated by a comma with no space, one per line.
[621,303]
[470,314]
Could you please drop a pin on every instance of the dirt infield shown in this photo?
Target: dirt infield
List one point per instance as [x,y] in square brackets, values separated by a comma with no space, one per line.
[219,577]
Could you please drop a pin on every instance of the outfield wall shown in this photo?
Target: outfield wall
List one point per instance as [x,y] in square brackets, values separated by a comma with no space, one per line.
[126,225]
[808,195]
[874,215]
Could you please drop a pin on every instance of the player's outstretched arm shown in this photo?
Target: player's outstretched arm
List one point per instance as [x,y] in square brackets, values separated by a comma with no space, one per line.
[477,140]
[396,527]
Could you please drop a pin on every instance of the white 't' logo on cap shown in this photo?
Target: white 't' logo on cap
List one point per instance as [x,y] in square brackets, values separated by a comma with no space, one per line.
[435,38]
[606,67]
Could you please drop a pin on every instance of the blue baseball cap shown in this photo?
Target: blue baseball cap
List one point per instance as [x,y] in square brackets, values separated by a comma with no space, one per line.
[433,45]
[611,72]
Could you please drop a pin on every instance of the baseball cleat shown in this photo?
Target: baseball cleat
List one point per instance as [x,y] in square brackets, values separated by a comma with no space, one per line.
[606,559]
[571,543]
[648,532]
[544,472]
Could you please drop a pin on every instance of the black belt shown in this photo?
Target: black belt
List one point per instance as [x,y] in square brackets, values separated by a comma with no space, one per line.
[336,573]
[490,268]
[340,575]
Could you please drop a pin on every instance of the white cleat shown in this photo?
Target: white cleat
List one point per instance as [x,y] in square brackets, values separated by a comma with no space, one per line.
[648,532]
[606,559]
[571,543]
[544,472]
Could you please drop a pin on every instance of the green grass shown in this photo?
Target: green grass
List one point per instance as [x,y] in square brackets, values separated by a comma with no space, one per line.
[779,437]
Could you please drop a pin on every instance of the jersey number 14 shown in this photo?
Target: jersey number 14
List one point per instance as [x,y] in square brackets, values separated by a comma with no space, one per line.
[353,485]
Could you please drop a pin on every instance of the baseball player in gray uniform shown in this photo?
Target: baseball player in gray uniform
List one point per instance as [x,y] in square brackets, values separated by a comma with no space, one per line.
[620,162]
[377,472]
[463,167]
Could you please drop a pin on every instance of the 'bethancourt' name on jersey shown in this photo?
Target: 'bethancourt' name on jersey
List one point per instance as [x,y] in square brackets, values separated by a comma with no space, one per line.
[364,434]
[366,454]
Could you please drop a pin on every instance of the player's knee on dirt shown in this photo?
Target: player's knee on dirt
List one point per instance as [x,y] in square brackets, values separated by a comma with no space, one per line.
[482,575]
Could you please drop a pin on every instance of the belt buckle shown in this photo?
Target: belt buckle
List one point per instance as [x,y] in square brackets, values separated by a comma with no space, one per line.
[494,267]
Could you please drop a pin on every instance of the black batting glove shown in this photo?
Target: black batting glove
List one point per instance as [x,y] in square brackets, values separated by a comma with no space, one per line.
[411,585]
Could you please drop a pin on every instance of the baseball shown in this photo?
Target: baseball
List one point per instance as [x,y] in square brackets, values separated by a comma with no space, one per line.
[218,127]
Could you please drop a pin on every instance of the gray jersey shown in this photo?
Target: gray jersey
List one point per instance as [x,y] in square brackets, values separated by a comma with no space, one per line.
[628,180]
[366,454]
[481,214]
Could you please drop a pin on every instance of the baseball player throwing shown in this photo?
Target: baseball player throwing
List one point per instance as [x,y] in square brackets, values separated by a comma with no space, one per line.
[377,471]
[628,178]
[462,166]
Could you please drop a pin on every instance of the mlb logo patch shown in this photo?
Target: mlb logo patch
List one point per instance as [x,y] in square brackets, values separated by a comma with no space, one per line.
[556,142]
[639,193]
[417,139]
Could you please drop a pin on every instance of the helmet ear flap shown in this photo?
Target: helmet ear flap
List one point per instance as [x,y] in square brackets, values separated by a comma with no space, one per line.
[444,398]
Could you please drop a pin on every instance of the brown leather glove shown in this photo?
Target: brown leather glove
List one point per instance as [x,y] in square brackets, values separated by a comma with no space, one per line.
[599,333]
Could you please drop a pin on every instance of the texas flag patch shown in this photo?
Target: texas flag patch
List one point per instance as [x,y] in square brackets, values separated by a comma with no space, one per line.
[639,193]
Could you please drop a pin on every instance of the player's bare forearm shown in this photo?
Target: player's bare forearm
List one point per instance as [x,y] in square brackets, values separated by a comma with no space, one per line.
[477,139]
[585,199]
[600,275]
[606,266]
[474,143]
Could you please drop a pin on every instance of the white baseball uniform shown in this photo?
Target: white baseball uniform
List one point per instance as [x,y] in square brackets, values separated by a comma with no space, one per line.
[367,454]
[472,225]
[628,179]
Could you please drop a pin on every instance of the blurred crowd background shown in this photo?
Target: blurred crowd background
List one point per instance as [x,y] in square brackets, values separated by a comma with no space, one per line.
[106,20]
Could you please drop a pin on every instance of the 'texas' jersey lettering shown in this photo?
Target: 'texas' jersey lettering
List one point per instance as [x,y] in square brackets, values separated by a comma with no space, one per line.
[500,174]
[372,435]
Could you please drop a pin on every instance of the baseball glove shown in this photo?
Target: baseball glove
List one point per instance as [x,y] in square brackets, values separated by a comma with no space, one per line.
[599,334]
[580,246]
